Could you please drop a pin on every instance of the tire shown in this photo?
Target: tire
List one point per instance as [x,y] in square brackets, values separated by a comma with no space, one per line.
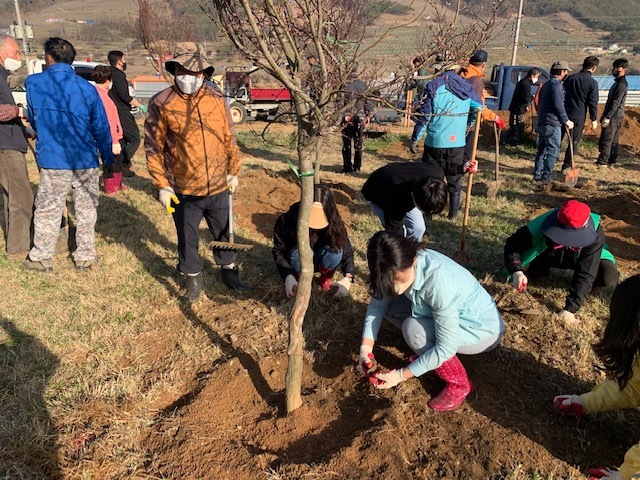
[238,113]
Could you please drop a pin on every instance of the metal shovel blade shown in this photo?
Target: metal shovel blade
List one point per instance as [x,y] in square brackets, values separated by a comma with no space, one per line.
[571,178]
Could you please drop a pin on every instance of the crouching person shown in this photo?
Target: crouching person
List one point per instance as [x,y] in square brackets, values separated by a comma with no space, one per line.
[619,351]
[329,241]
[441,309]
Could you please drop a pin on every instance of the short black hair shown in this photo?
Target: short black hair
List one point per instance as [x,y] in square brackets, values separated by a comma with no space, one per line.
[60,50]
[621,62]
[533,71]
[418,61]
[430,195]
[114,56]
[101,74]
[590,62]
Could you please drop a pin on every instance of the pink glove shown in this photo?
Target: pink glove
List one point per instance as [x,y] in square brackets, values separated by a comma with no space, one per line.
[604,473]
[388,380]
[499,122]
[471,166]
[570,405]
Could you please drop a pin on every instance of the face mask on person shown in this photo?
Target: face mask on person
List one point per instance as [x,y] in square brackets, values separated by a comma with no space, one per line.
[189,84]
[534,80]
[12,64]
[110,86]
[124,66]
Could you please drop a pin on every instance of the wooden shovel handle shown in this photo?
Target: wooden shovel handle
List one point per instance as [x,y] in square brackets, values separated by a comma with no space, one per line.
[474,148]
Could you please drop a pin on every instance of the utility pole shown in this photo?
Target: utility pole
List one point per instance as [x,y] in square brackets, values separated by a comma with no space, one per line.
[515,38]
[22,28]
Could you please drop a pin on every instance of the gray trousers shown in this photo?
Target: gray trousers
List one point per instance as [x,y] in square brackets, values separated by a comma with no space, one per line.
[17,198]
[50,202]
[419,333]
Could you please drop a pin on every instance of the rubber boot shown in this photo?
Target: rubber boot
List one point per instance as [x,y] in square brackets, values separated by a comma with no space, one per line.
[231,279]
[326,278]
[458,386]
[118,178]
[454,205]
[110,185]
[194,287]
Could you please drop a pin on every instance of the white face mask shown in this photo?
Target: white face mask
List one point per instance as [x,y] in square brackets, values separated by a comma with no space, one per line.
[12,64]
[110,86]
[534,80]
[189,84]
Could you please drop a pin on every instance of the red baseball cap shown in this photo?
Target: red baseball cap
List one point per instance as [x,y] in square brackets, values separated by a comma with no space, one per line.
[571,225]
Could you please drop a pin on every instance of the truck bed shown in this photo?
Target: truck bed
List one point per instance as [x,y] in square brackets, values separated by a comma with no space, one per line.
[270,94]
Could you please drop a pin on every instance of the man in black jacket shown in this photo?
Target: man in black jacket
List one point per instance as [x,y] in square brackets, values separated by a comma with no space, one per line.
[353,123]
[119,93]
[399,193]
[14,179]
[613,115]
[580,95]
[520,104]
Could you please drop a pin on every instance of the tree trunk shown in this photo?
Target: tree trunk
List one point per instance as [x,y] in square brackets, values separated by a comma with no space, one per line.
[307,147]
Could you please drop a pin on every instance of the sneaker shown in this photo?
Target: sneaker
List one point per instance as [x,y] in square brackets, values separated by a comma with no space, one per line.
[39,266]
[85,264]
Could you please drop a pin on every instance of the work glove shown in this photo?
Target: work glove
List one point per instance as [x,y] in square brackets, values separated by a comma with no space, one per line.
[570,405]
[499,122]
[166,195]
[367,364]
[388,380]
[116,148]
[605,122]
[143,108]
[290,286]
[604,473]
[341,288]
[232,183]
[567,317]
[520,281]
[471,166]
[107,170]
[594,124]
[569,124]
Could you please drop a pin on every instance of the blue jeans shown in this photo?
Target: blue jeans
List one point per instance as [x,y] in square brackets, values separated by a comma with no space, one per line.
[322,257]
[549,140]
[413,222]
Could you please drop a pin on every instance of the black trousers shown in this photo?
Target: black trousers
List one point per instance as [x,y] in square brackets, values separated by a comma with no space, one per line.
[187,217]
[607,276]
[578,129]
[516,129]
[352,131]
[451,160]
[608,144]
[130,141]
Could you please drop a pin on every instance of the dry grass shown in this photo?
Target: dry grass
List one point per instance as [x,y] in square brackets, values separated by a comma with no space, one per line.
[88,359]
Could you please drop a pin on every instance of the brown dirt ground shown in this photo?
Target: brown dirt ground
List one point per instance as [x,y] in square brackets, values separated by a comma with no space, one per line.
[230,423]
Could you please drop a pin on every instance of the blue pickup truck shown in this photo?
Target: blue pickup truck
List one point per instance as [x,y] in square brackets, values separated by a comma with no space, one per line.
[503,83]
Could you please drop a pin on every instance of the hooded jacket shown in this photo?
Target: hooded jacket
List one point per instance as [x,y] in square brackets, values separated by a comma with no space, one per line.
[474,75]
[189,141]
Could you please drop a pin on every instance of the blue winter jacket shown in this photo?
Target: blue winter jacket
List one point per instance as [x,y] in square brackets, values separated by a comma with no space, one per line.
[462,311]
[445,105]
[551,109]
[68,115]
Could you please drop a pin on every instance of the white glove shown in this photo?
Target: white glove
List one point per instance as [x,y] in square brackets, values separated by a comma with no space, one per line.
[366,359]
[569,124]
[605,122]
[232,183]
[594,124]
[342,286]
[520,281]
[568,318]
[290,286]
[570,405]
[166,195]
[388,380]
[116,148]
[604,473]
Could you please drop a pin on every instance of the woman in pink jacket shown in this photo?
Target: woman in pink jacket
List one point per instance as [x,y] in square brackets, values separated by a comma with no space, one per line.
[112,180]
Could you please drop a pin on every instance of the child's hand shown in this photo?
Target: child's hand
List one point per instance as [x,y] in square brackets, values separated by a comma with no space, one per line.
[603,473]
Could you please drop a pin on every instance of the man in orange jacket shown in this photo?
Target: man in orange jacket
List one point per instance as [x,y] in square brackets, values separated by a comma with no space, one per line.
[474,74]
[193,160]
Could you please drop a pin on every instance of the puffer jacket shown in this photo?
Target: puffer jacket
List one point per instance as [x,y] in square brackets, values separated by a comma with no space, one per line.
[189,142]
[474,76]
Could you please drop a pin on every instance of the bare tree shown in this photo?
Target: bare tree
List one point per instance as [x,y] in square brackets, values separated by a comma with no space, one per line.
[278,36]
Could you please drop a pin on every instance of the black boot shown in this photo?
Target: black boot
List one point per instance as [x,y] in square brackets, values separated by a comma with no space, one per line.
[454,205]
[194,287]
[232,280]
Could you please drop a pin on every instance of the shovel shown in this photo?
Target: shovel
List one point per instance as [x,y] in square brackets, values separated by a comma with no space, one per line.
[492,188]
[571,178]
[230,245]
[461,256]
